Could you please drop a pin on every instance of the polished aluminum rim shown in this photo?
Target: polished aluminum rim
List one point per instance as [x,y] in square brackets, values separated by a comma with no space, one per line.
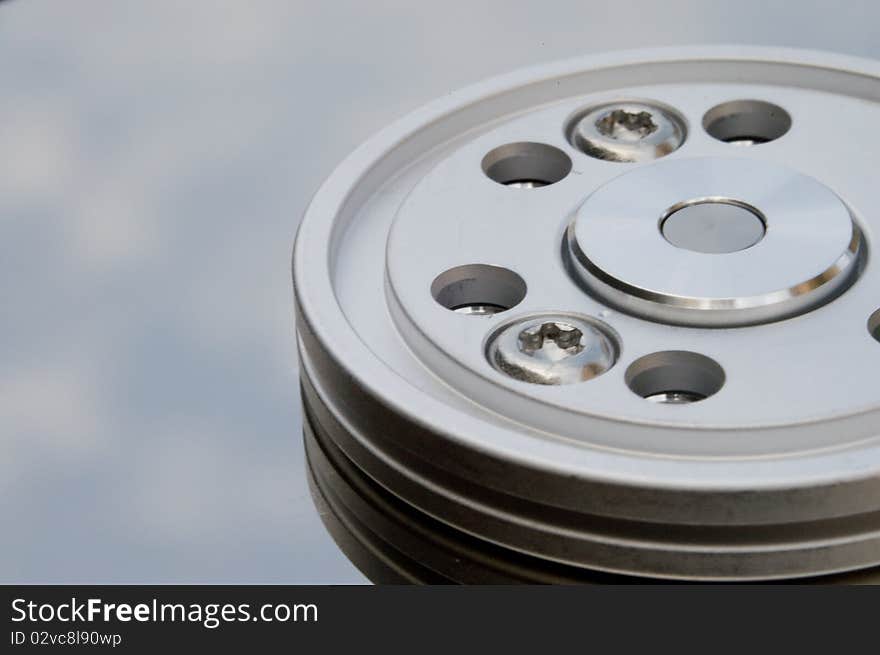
[761,459]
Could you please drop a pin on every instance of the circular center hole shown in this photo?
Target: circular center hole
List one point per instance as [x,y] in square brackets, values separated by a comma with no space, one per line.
[713,226]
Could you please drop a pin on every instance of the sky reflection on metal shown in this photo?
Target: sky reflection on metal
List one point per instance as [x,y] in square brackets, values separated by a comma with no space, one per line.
[155,158]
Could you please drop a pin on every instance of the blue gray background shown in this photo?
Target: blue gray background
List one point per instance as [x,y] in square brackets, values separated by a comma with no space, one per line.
[155,158]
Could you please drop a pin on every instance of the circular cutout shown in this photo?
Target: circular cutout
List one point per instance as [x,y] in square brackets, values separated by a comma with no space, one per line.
[874,325]
[675,377]
[553,349]
[746,122]
[478,289]
[810,253]
[627,132]
[526,165]
[713,225]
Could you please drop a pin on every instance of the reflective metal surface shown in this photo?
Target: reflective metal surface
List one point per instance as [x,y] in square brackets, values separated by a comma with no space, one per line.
[801,249]
[715,226]
[394,544]
[628,132]
[688,450]
[553,349]
[156,159]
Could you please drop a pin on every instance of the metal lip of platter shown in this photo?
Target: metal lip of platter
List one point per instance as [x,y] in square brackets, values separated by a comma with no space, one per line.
[617,314]
[794,252]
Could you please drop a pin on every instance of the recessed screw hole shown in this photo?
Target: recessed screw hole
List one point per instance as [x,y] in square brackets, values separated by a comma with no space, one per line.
[675,377]
[478,289]
[874,325]
[745,140]
[675,397]
[526,165]
[626,125]
[746,122]
[526,184]
[479,309]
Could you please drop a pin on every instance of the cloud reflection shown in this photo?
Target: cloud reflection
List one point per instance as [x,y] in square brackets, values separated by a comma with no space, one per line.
[154,161]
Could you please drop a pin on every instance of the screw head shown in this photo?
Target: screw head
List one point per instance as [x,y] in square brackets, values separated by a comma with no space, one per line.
[628,132]
[553,349]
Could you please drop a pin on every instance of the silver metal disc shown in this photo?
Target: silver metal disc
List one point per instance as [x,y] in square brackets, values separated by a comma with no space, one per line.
[658,365]
[799,247]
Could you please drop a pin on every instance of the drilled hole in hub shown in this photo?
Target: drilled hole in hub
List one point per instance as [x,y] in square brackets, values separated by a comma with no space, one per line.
[478,289]
[675,377]
[675,397]
[746,122]
[874,325]
[526,165]
[525,184]
[713,225]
